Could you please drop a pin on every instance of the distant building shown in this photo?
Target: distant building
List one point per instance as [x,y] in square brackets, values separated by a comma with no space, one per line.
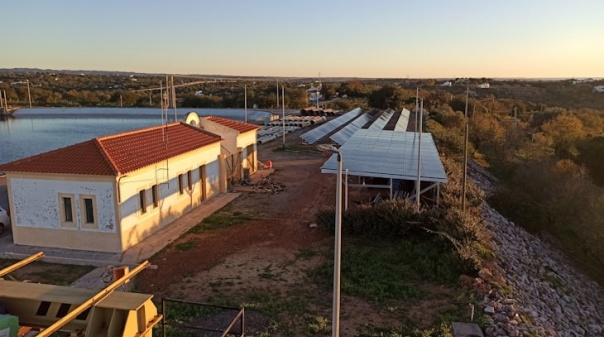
[584,80]
[446,84]
[599,88]
[314,93]
[484,85]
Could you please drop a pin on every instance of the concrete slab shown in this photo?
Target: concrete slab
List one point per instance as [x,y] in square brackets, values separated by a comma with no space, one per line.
[466,330]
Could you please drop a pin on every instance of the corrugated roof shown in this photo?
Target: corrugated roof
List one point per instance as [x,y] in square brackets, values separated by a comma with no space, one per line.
[117,154]
[346,132]
[403,121]
[236,125]
[323,130]
[379,123]
[389,154]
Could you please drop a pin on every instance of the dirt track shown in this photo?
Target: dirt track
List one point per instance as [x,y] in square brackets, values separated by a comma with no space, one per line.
[281,222]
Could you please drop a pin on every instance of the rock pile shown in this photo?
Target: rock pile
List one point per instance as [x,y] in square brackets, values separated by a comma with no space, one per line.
[542,294]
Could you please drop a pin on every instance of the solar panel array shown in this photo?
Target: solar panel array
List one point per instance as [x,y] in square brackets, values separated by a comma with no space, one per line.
[323,130]
[403,121]
[381,121]
[389,154]
[342,136]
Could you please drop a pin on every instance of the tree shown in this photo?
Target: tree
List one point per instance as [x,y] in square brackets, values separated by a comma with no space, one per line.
[564,131]
[389,96]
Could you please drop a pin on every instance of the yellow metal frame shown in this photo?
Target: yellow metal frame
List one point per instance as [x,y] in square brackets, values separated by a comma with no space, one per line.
[21,263]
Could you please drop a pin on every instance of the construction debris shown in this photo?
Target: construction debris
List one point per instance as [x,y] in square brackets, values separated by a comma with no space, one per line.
[265,185]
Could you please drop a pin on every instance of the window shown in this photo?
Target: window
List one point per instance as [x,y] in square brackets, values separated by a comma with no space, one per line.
[88,212]
[190,180]
[155,196]
[181,184]
[202,182]
[142,198]
[67,206]
[66,210]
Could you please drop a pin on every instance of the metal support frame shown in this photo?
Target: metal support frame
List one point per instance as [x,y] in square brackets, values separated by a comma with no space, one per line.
[56,326]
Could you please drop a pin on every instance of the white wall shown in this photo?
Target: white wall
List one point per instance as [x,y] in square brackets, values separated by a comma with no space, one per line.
[36,202]
[228,135]
[136,225]
[35,211]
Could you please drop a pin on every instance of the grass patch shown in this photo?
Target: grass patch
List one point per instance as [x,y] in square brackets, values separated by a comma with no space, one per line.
[270,305]
[374,274]
[185,245]
[47,273]
[305,254]
[444,330]
[221,219]
[267,273]
[319,325]
[297,149]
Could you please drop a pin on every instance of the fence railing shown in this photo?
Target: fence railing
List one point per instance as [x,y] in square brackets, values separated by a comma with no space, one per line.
[182,316]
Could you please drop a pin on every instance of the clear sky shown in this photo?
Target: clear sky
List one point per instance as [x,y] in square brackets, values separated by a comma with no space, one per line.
[339,38]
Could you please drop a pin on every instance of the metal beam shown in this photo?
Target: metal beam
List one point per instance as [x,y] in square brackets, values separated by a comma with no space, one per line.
[56,326]
[21,263]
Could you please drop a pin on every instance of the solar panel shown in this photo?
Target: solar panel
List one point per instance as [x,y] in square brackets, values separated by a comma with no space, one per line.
[382,120]
[403,121]
[342,136]
[321,131]
[389,154]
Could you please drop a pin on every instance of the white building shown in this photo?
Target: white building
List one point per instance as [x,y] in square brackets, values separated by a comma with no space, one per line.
[599,88]
[109,193]
[238,145]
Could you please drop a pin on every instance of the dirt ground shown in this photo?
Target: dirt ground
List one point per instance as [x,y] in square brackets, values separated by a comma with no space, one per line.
[281,221]
[267,259]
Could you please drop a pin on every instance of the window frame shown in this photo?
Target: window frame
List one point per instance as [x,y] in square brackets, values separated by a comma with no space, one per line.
[202,182]
[181,184]
[85,224]
[65,223]
[142,201]
[190,180]
[155,196]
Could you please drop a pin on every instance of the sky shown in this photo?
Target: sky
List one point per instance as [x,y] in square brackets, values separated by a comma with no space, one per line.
[328,38]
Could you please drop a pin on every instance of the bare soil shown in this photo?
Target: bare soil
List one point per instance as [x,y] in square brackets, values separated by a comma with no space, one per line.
[263,263]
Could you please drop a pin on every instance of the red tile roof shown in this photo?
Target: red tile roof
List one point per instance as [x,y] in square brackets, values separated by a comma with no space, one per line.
[117,154]
[239,126]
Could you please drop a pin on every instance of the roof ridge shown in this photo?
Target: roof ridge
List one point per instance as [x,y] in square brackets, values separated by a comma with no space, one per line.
[136,131]
[106,156]
[226,121]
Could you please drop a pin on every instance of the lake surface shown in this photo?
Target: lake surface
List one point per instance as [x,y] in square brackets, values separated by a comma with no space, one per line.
[33,131]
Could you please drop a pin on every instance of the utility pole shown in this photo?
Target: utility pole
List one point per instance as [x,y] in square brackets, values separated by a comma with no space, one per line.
[465,169]
[465,156]
[283,115]
[28,93]
[245,100]
[277,94]
[173,98]
[416,106]
[467,95]
[337,256]
[419,156]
